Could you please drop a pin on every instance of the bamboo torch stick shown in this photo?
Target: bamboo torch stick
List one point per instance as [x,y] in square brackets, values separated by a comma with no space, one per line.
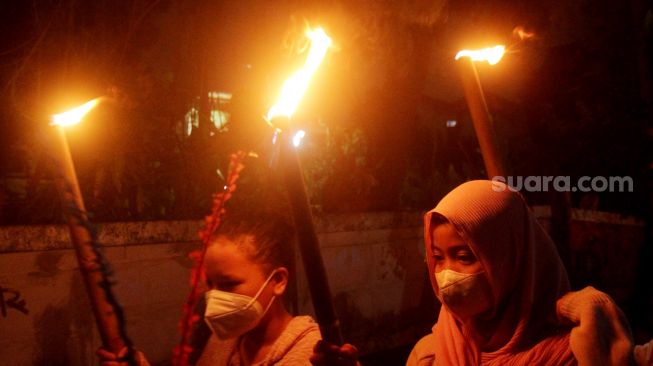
[280,116]
[108,315]
[481,118]
[309,246]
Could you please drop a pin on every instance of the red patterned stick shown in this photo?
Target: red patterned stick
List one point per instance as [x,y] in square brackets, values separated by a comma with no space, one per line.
[212,222]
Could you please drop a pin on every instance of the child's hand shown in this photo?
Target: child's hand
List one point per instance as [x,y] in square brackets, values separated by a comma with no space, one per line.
[108,358]
[328,354]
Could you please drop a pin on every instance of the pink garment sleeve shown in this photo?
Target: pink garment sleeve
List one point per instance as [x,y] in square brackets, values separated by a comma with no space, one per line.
[423,354]
[600,334]
[644,354]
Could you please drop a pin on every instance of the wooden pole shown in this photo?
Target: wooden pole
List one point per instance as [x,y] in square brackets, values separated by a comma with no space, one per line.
[90,264]
[481,118]
[483,125]
[309,246]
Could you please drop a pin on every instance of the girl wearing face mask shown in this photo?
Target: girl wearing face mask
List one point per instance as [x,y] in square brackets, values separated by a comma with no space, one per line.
[247,267]
[498,277]
[504,291]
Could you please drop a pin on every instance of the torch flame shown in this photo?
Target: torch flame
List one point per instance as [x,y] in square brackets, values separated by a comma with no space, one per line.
[75,115]
[491,54]
[296,85]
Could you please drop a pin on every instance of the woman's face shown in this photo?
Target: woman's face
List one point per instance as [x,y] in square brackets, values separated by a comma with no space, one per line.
[229,268]
[451,252]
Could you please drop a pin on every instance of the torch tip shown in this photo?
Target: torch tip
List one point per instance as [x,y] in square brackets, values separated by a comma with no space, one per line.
[75,115]
[490,54]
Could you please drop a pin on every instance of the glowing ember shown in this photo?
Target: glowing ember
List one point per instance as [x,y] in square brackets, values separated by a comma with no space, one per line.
[75,115]
[492,54]
[296,85]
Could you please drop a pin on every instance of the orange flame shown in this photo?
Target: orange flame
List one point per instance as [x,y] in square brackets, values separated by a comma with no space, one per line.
[522,33]
[491,54]
[75,115]
[296,85]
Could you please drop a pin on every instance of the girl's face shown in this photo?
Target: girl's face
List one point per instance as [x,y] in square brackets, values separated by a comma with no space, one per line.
[451,252]
[229,268]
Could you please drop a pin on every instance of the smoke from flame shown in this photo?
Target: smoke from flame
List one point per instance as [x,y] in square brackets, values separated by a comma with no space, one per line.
[520,32]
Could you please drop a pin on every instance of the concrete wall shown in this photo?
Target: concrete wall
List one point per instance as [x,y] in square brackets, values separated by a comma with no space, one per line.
[380,286]
[151,270]
[605,252]
[374,262]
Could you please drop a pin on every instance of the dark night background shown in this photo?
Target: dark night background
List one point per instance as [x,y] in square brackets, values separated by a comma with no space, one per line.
[573,100]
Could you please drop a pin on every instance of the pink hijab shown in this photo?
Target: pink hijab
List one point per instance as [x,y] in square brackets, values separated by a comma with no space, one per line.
[525,274]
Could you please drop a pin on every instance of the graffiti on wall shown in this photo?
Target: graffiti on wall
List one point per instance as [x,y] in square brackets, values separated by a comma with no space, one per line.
[11,299]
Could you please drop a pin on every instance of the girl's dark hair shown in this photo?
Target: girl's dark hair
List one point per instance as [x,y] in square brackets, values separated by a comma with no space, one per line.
[272,234]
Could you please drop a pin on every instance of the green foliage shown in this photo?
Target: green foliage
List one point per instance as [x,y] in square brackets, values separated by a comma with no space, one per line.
[337,171]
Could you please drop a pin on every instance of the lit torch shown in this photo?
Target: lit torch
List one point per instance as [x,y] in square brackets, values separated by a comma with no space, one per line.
[478,107]
[105,309]
[279,115]
[295,86]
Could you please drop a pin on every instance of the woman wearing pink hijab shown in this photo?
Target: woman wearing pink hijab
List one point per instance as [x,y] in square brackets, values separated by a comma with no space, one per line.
[499,278]
[505,292]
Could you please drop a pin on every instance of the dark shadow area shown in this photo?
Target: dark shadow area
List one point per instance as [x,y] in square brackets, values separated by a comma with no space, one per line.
[391,357]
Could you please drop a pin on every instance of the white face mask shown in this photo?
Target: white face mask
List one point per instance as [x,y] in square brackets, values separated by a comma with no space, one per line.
[231,315]
[466,295]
